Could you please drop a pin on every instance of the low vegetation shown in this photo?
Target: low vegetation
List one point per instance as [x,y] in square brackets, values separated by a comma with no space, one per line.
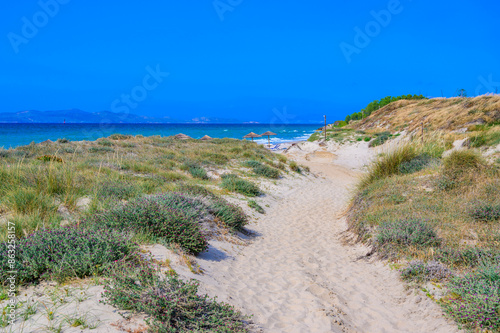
[440,215]
[171,304]
[234,183]
[84,209]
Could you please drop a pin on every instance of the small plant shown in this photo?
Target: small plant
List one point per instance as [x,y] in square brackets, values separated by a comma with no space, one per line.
[262,170]
[462,161]
[419,271]
[50,158]
[416,164]
[170,304]
[119,137]
[64,140]
[295,167]
[485,212]
[380,139]
[407,232]
[196,171]
[115,190]
[232,215]
[235,184]
[104,142]
[101,150]
[367,139]
[474,302]
[253,204]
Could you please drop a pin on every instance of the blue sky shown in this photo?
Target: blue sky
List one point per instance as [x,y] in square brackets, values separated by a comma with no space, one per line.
[242,59]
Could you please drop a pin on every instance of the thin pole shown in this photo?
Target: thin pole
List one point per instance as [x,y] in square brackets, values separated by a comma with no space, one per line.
[422,132]
[325,126]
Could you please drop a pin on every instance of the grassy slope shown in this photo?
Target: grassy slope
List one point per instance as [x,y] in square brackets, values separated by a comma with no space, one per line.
[443,212]
[437,114]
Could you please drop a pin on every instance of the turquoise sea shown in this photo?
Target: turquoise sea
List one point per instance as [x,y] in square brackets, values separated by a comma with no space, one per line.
[14,135]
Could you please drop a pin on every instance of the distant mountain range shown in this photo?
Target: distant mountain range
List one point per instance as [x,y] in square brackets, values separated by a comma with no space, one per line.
[76,116]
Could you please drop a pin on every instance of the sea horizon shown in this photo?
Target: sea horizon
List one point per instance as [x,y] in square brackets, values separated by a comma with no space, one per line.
[13,135]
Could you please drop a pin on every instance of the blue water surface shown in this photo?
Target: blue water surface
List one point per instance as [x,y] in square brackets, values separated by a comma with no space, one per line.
[14,135]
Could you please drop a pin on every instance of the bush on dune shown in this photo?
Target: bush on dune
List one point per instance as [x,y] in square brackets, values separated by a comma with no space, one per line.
[64,253]
[407,232]
[149,217]
[170,304]
[475,300]
[235,184]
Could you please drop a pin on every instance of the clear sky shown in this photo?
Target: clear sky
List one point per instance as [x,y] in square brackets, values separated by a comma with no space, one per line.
[242,59]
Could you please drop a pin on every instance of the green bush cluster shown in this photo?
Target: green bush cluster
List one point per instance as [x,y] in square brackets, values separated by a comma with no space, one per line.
[64,253]
[149,217]
[416,164]
[253,204]
[407,232]
[170,304]
[485,212]
[475,300]
[262,170]
[234,183]
[116,190]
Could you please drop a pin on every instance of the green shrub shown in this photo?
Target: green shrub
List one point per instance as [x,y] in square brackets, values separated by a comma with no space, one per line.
[253,204]
[193,209]
[380,139]
[262,170]
[469,257]
[462,161]
[416,164]
[116,190]
[195,170]
[121,136]
[267,171]
[29,201]
[367,139]
[281,158]
[295,167]
[64,253]
[149,217]
[100,150]
[170,304]
[388,164]
[64,140]
[235,184]
[475,300]
[104,142]
[232,215]
[252,164]
[419,271]
[485,212]
[407,232]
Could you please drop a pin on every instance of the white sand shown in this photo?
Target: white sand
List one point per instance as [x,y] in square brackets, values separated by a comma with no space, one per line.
[297,276]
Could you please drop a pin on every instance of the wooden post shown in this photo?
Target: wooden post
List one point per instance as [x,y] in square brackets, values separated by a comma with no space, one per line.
[422,132]
[325,126]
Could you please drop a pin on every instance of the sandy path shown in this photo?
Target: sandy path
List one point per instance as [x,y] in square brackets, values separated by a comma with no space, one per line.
[297,276]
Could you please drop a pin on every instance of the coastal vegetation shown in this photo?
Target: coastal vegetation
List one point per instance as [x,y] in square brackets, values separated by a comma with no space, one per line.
[376,105]
[435,216]
[85,209]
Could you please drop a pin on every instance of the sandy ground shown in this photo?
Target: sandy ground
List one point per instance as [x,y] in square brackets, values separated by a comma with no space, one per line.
[298,276]
[294,274]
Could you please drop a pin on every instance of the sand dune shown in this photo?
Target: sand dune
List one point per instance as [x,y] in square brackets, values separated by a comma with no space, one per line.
[297,276]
